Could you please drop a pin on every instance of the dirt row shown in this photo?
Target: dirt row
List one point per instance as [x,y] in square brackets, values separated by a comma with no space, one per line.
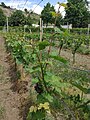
[81,61]
[9,100]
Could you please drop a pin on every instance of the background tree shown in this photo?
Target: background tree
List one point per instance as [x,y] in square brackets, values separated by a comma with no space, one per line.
[57,15]
[46,14]
[17,18]
[26,11]
[28,21]
[2,18]
[3,4]
[77,13]
[59,21]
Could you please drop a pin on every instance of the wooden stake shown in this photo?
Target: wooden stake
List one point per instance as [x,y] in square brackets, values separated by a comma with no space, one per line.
[7,24]
[41,29]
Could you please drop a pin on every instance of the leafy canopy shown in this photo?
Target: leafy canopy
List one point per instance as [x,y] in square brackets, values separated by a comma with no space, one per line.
[2,18]
[77,13]
[46,14]
[17,18]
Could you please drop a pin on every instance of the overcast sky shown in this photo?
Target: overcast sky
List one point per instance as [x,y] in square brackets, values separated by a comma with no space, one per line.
[31,4]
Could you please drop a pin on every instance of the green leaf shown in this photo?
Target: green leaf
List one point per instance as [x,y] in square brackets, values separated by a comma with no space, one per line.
[35,67]
[43,44]
[88,91]
[34,80]
[48,97]
[57,30]
[85,90]
[40,115]
[55,53]
[55,81]
[34,70]
[58,58]
[49,62]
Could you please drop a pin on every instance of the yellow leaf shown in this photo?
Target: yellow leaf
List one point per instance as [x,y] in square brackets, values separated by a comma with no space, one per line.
[46,106]
[48,111]
[63,4]
[31,108]
[40,106]
[55,14]
[35,109]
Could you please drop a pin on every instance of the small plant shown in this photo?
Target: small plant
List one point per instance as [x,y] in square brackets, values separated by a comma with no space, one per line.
[38,112]
[75,44]
[1,112]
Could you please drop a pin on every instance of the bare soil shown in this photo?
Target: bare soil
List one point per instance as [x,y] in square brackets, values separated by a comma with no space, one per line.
[9,100]
[81,61]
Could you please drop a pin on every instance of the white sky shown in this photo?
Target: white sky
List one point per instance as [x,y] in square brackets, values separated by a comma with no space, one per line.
[31,4]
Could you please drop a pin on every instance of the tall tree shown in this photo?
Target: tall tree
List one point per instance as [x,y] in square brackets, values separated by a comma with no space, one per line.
[2,18]
[46,14]
[17,18]
[57,15]
[3,4]
[26,11]
[77,13]
[29,21]
[59,21]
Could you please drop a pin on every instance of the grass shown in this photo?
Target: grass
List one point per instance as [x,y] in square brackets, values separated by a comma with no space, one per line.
[2,110]
[1,69]
[1,73]
[84,50]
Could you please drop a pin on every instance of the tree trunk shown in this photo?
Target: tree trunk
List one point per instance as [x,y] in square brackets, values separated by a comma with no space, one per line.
[59,50]
[73,58]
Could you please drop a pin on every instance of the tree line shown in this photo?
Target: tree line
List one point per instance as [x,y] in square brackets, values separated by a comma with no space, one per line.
[16,19]
[77,14]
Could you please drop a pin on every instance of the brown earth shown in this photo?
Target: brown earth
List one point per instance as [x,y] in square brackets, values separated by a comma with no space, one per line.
[81,61]
[9,100]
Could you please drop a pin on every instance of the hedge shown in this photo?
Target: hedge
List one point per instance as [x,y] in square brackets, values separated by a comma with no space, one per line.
[1,27]
[33,29]
[79,30]
[45,30]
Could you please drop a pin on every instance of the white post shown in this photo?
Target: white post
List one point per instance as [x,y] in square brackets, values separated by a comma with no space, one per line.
[67,26]
[7,24]
[42,26]
[40,29]
[41,36]
[88,35]
[88,29]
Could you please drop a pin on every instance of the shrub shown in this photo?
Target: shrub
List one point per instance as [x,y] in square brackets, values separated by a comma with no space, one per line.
[79,30]
[1,27]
